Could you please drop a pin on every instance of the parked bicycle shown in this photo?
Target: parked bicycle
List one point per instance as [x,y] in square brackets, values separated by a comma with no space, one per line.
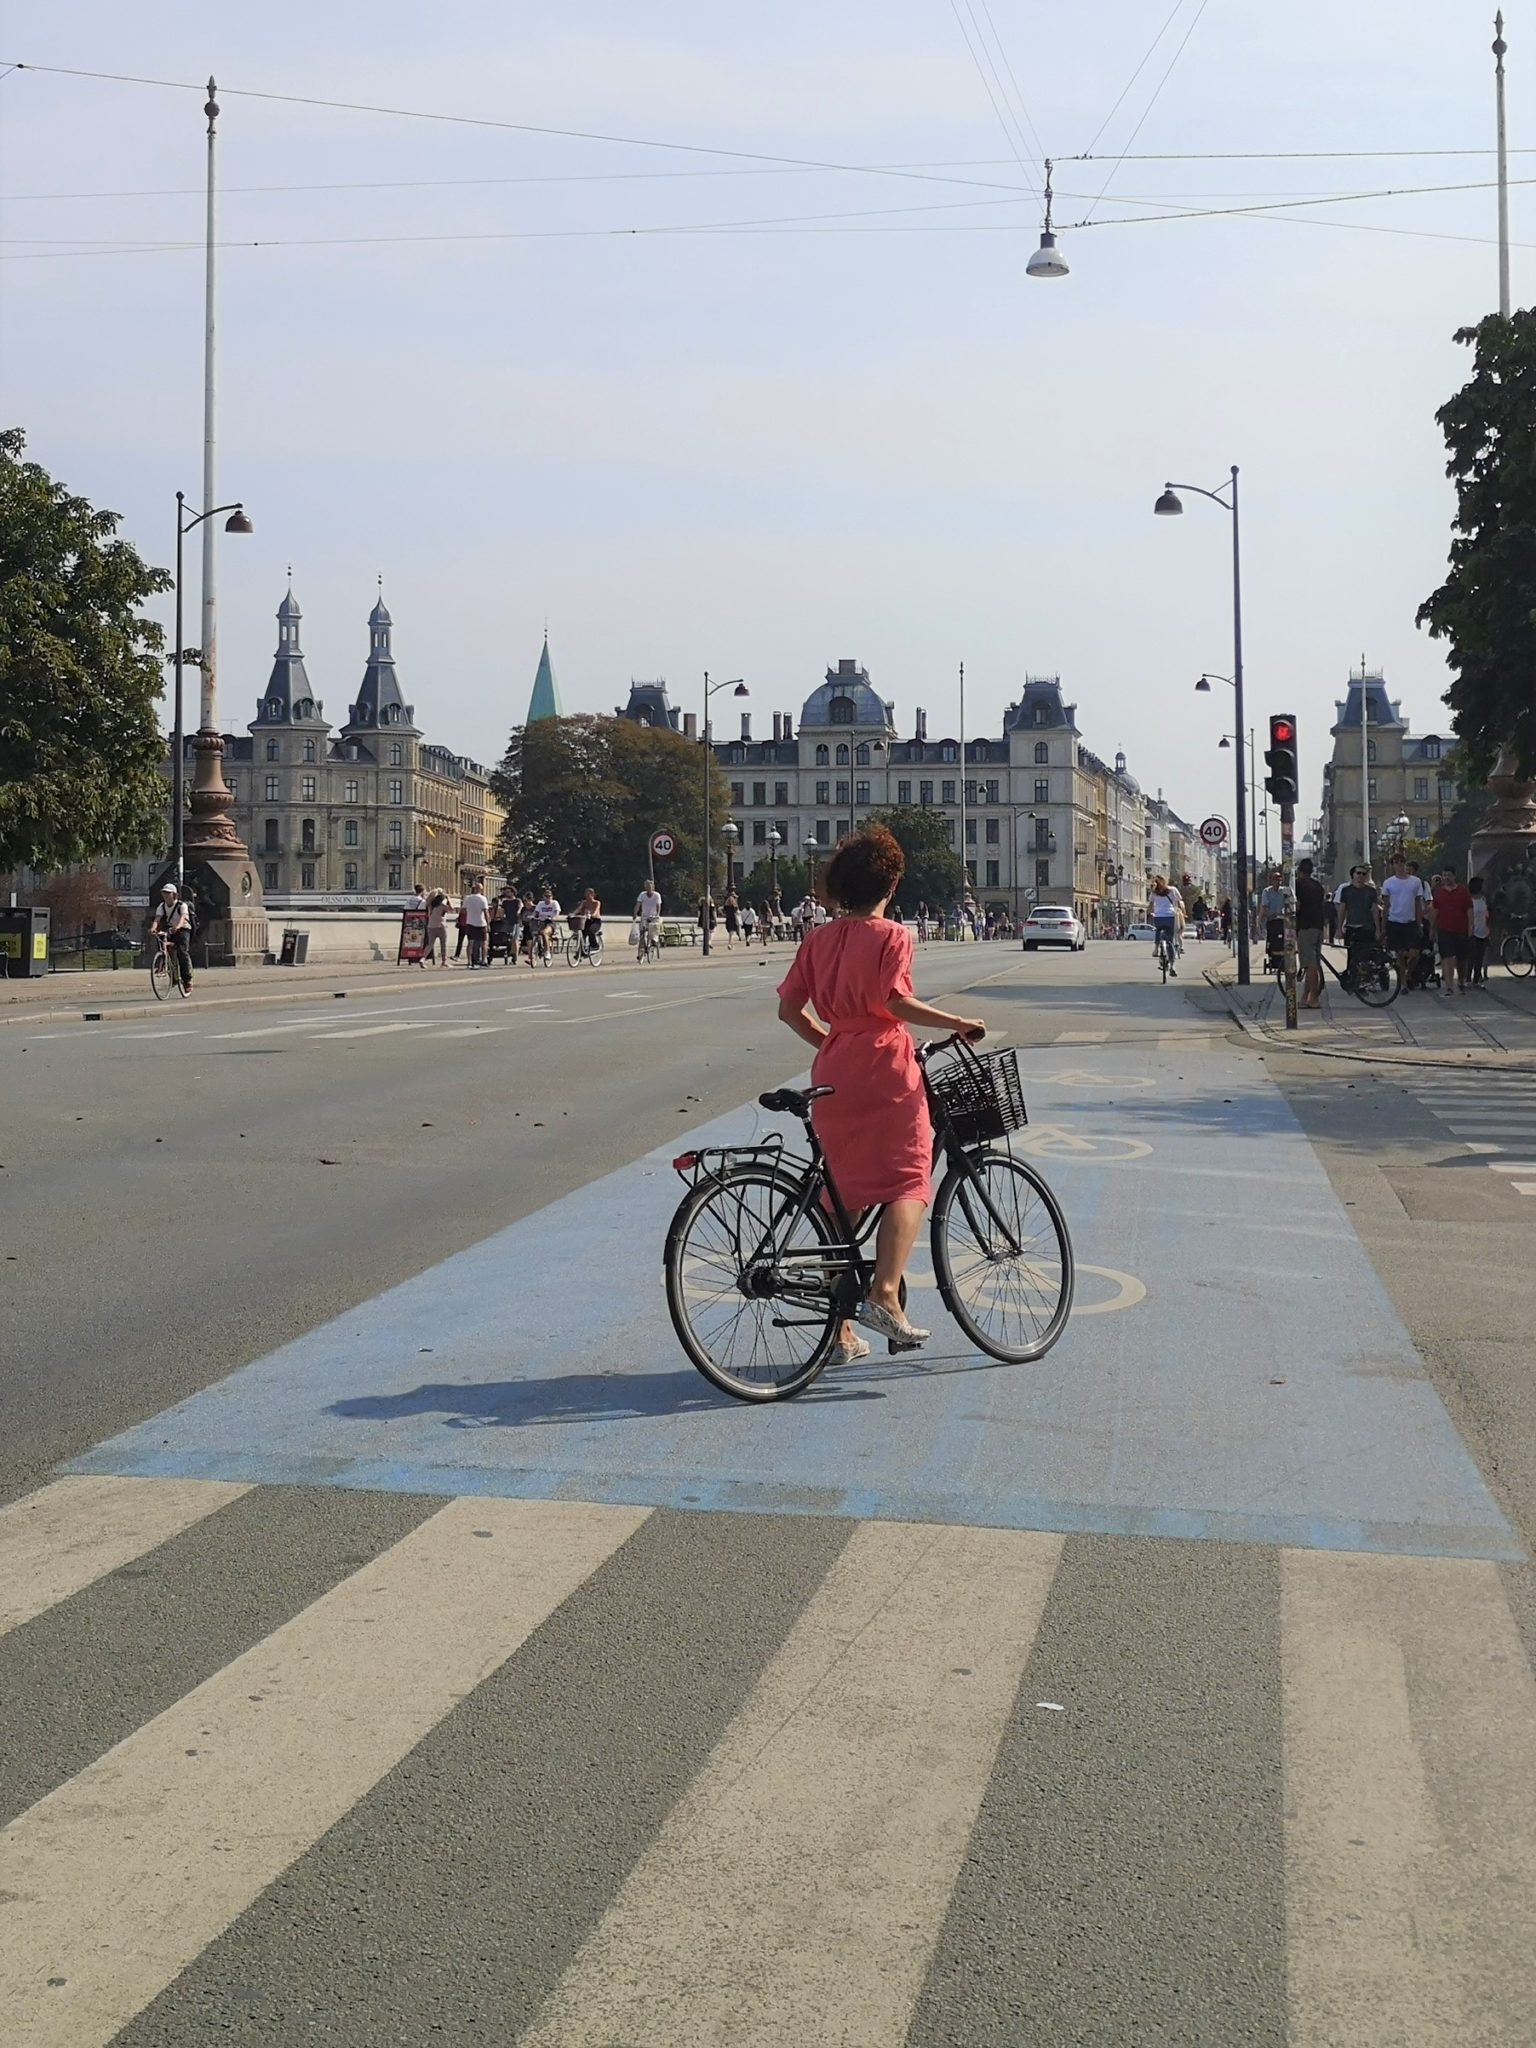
[1369,973]
[764,1262]
[1518,951]
[165,970]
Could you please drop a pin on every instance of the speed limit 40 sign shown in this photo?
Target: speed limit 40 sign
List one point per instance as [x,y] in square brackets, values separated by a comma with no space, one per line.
[1214,832]
[663,846]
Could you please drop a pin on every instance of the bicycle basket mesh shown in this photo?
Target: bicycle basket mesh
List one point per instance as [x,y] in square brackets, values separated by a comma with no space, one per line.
[980,1093]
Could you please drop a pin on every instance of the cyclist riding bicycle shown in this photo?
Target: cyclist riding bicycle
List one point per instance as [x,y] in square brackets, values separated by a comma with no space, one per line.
[1359,906]
[1167,908]
[587,919]
[173,916]
[546,915]
[648,915]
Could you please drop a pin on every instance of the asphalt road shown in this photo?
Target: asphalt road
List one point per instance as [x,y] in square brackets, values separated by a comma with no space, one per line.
[398,1642]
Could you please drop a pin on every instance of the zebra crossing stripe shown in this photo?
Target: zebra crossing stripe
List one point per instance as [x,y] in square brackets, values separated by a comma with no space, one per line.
[66,1536]
[117,1880]
[1410,1774]
[797,1890]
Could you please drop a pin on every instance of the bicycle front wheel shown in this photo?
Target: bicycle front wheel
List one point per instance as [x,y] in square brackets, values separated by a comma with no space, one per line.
[1002,1256]
[1518,954]
[573,952]
[1376,981]
[160,976]
[750,1284]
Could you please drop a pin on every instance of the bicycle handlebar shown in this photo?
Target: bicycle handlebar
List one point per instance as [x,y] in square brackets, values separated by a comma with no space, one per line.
[954,1038]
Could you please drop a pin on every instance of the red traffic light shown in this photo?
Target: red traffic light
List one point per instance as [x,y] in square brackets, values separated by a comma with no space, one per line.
[1282,731]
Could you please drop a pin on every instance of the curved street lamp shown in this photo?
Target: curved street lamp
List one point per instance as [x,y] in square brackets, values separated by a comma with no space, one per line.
[738,688]
[237,522]
[1170,506]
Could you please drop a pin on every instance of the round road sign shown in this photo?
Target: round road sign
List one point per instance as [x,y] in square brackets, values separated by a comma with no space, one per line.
[663,845]
[1214,832]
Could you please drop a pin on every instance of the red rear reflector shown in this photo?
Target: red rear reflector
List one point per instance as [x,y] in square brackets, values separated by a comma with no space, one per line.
[685,1161]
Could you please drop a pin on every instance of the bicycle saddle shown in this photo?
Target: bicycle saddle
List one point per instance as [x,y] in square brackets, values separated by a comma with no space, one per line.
[792,1101]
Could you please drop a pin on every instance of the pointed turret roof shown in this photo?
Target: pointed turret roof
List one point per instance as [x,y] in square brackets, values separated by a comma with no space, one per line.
[288,698]
[379,705]
[545,701]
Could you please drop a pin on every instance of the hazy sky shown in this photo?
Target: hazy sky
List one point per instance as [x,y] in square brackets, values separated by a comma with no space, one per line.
[755,452]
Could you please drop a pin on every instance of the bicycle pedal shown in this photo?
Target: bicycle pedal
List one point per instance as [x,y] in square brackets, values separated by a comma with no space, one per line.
[892,1347]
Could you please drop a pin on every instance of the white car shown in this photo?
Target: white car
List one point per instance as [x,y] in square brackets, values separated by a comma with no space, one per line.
[1142,931]
[1052,924]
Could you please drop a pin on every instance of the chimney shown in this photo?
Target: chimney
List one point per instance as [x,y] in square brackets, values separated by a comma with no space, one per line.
[746,725]
[690,725]
[922,726]
[847,666]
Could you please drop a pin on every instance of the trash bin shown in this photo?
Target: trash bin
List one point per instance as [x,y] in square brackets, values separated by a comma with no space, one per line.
[24,940]
[295,951]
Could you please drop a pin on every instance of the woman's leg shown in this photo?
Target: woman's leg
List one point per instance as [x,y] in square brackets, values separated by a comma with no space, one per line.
[894,1240]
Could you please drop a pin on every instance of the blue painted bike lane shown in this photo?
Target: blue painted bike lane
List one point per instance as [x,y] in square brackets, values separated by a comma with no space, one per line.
[1234,1369]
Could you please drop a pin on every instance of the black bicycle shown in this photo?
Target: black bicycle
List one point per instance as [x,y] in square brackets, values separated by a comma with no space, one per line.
[764,1262]
[1369,973]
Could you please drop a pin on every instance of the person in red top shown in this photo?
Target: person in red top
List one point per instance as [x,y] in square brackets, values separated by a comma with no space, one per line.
[856,973]
[1453,923]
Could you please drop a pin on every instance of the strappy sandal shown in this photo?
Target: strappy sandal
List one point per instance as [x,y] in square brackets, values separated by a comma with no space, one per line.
[895,1329]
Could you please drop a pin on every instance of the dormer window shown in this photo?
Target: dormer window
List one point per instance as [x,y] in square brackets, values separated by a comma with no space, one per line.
[1431,750]
[842,711]
[949,751]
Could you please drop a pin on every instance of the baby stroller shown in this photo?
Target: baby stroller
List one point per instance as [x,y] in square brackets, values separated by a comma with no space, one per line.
[502,941]
[1426,969]
[1274,946]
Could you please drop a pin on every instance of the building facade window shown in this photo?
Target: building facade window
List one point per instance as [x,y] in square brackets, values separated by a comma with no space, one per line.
[1370,750]
[823,757]
[947,790]
[842,792]
[759,831]
[349,833]
[842,753]
[394,877]
[1042,874]
[309,750]
[992,832]
[307,789]
[395,836]
[823,831]
[307,836]
[925,792]
[1421,789]
[1042,789]
[270,829]
[1431,750]
[841,712]
[823,792]
[861,792]
[992,795]
[122,874]
[396,790]
[1372,788]
[1042,753]
[781,793]
[349,875]
[274,751]
[738,792]
[1447,792]
[991,874]
[904,792]
[349,790]
[396,755]
[759,792]
[949,751]
[861,754]
[1042,831]
[949,830]
[1421,828]
[781,826]
[269,875]
[970,831]
[274,788]
[307,875]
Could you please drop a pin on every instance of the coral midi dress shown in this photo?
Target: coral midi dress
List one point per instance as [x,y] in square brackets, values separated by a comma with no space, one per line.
[875,1129]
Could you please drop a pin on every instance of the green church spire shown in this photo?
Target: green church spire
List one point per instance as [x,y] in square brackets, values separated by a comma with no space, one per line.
[545,701]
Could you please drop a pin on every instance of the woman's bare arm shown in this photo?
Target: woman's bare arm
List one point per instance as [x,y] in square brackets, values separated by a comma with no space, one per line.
[911,1011]
[799,1019]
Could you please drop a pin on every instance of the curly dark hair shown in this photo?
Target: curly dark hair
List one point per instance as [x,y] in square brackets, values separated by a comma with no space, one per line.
[867,867]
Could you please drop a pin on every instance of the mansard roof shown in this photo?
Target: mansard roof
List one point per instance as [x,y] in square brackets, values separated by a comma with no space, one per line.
[380,705]
[847,698]
[1382,709]
[288,698]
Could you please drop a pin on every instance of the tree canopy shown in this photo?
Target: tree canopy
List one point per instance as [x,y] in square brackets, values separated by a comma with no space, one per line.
[584,795]
[1485,610]
[934,875]
[80,676]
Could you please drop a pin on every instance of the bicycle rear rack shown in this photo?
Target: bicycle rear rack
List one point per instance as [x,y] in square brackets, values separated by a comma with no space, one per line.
[695,1166]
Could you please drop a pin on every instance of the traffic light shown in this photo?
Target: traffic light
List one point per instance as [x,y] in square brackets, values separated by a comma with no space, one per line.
[1282,782]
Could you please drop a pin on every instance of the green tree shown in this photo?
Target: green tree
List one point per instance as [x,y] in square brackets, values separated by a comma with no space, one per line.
[1485,610]
[80,743]
[583,796]
[934,875]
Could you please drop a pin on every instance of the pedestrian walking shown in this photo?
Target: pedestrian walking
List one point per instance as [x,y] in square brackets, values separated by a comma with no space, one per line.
[438,907]
[419,900]
[1311,917]
[476,912]
[731,910]
[1453,902]
[748,922]
[1226,920]
[1403,895]
[1478,930]
[1272,911]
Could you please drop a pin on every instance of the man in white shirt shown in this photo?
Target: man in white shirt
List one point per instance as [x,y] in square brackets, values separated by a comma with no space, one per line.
[1405,901]
[648,904]
[173,916]
[477,918]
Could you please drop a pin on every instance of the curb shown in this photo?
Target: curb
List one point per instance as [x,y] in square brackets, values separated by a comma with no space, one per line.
[1261,1034]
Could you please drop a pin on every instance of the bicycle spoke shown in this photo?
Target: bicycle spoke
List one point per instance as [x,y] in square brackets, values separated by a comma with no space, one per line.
[1008,1269]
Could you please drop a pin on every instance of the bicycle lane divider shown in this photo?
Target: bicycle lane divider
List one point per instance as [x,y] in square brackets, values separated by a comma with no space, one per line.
[1230,1402]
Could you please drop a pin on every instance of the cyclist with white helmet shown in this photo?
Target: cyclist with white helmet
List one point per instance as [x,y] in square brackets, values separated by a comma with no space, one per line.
[173,916]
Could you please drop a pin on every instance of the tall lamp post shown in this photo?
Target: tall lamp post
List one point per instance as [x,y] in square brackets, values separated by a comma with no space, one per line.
[1204,685]
[775,841]
[812,850]
[730,834]
[738,688]
[1168,506]
[235,523]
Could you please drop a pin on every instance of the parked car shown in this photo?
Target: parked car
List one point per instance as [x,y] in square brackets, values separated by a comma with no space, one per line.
[1141,931]
[1053,924]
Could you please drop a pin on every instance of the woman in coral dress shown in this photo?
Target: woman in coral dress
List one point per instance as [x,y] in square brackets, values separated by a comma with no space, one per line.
[856,975]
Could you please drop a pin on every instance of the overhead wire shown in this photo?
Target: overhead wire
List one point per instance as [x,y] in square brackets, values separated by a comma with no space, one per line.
[1145,60]
[987,84]
[1151,103]
[1023,104]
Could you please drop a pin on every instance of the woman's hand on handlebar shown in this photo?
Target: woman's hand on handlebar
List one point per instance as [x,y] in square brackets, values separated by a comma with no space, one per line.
[971,1029]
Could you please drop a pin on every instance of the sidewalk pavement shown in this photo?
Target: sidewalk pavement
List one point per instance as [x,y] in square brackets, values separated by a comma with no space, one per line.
[1493,1026]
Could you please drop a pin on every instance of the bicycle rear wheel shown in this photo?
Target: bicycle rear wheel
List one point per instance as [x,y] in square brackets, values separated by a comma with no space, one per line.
[749,1288]
[1002,1256]
[160,975]
[1376,980]
[1518,954]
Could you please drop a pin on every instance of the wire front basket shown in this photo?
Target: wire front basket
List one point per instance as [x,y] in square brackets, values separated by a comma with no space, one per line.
[980,1093]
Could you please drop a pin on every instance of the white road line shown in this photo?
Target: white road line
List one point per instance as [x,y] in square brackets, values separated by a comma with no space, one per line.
[376,1030]
[466,1030]
[1081,1038]
[1474,1145]
[1524,1187]
[796,1891]
[628,995]
[271,1030]
[1510,1166]
[117,1880]
[68,1535]
[128,1037]
[1409,1734]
